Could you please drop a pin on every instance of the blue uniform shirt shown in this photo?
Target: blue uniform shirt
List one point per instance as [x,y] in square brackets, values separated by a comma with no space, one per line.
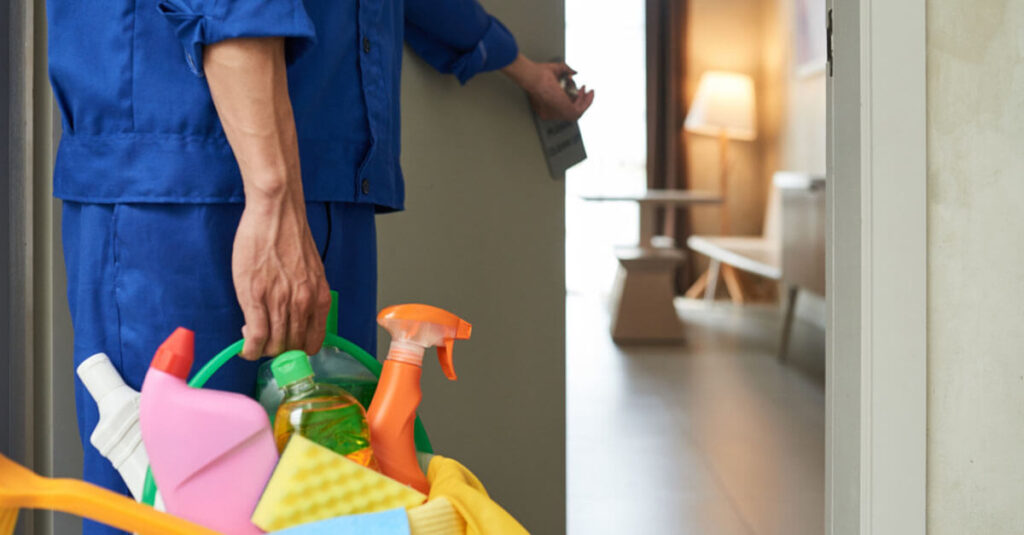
[140,126]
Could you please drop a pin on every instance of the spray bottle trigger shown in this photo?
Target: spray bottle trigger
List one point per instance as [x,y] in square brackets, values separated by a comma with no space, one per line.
[444,355]
[463,329]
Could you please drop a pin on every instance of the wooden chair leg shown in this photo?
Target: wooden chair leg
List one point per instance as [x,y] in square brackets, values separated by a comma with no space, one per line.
[713,269]
[698,287]
[787,321]
[732,283]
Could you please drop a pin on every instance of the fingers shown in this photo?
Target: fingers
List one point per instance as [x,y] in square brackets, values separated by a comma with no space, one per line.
[572,109]
[255,331]
[300,316]
[278,306]
[315,332]
[287,320]
[561,68]
[583,101]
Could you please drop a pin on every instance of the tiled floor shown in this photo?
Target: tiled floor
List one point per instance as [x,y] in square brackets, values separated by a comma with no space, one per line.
[711,438]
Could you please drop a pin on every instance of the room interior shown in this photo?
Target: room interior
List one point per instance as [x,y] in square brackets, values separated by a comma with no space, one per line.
[695,269]
[948,375]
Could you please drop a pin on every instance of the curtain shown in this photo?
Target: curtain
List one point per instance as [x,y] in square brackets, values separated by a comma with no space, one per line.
[666,154]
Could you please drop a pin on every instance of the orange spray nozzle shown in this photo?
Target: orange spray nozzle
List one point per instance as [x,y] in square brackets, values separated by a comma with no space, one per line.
[416,327]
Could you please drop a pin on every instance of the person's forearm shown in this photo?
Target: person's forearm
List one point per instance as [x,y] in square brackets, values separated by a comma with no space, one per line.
[275,264]
[522,71]
[249,85]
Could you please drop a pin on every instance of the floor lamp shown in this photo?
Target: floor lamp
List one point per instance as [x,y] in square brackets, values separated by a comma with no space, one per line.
[723,108]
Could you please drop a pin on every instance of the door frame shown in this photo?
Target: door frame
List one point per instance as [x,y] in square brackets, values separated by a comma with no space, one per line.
[877,263]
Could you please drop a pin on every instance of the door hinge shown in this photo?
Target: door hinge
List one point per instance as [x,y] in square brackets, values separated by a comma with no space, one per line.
[828,43]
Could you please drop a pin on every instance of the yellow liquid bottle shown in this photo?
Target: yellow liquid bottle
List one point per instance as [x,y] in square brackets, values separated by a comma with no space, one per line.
[323,413]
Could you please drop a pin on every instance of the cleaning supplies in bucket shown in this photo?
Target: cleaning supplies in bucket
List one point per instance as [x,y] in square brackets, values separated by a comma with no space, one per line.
[211,452]
[320,412]
[413,329]
[117,436]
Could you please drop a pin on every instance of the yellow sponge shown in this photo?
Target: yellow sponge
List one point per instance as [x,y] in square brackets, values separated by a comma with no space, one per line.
[314,483]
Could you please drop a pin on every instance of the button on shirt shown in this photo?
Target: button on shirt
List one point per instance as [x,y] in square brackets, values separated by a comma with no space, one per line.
[140,126]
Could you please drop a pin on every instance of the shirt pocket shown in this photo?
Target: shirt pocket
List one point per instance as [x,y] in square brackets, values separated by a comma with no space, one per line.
[169,98]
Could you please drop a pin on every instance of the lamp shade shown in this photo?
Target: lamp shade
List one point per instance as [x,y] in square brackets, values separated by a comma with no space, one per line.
[724,105]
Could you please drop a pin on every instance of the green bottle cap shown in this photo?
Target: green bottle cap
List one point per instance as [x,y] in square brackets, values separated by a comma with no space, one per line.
[291,366]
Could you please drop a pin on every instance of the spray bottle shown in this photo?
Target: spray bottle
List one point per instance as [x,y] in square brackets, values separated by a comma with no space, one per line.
[392,413]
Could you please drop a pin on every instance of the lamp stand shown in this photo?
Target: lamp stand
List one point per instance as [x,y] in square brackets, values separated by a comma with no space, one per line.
[732,279]
[723,181]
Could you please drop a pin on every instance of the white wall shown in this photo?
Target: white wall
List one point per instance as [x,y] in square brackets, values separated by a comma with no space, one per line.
[976,254]
[483,236]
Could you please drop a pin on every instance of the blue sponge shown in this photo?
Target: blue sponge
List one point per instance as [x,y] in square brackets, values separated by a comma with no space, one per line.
[391,522]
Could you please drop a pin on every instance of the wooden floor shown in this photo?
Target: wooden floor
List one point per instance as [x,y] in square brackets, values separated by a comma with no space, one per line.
[711,438]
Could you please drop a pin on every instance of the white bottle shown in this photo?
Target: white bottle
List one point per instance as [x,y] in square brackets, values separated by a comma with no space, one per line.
[117,435]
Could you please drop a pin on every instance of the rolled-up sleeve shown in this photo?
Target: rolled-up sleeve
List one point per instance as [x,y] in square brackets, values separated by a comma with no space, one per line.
[202,22]
[458,37]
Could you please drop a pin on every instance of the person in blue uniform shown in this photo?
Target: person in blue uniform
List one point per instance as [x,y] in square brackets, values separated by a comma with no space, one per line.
[222,162]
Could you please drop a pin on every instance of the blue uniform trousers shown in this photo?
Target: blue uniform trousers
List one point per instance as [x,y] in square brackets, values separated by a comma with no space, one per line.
[138,271]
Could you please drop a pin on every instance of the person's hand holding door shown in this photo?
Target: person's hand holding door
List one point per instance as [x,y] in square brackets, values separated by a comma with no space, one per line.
[547,96]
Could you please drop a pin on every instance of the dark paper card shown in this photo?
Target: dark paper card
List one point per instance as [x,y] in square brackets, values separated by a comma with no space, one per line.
[562,145]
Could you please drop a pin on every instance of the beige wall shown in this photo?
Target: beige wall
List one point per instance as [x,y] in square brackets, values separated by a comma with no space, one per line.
[483,235]
[976,282]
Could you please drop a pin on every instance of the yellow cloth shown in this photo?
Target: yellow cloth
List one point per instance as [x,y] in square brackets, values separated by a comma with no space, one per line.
[449,479]
[436,517]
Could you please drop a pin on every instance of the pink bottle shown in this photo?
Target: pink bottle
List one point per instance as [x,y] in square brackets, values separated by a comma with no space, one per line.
[211,452]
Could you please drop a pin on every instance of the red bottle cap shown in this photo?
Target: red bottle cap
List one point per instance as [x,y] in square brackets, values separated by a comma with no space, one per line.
[175,355]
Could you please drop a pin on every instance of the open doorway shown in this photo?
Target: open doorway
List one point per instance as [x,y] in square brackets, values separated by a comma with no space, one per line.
[711,433]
